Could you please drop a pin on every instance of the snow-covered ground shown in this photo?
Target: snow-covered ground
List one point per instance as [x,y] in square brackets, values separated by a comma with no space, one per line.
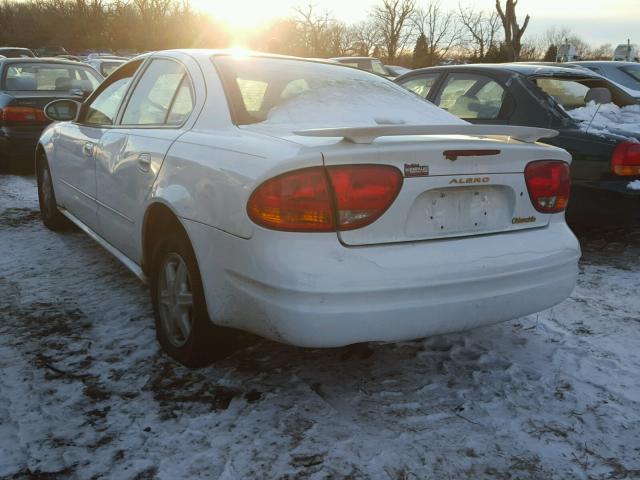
[608,118]
[85,392]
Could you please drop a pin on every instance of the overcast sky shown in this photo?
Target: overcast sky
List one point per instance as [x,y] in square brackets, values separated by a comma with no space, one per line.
[596,21]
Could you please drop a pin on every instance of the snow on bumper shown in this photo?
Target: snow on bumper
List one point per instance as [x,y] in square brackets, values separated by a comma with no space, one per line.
[309,290]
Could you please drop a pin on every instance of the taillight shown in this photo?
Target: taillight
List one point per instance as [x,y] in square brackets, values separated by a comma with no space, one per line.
[316,199]
[22,115]
[549,185]
[363,192]
[298,201]
[626,159]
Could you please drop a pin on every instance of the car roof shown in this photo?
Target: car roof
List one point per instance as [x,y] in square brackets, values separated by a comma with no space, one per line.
[353,58]
[527,69]
[604,62]
[48,60]
[15,48]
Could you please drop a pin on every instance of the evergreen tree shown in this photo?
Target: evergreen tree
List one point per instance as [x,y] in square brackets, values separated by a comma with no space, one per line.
[421,57]
[552,54]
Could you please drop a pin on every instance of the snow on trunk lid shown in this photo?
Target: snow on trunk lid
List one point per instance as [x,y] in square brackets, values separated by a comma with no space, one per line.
[479,190]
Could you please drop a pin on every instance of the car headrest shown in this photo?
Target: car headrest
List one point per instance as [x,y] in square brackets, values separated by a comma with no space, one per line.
[599,95]
[63,83]
[22,83]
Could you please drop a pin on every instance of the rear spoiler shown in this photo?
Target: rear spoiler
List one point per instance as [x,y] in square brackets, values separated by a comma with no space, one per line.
[369,134]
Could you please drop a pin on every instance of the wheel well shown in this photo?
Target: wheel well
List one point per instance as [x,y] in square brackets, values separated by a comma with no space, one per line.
[159,220]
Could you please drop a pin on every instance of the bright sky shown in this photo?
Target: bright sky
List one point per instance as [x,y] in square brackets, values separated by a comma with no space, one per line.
[597,21]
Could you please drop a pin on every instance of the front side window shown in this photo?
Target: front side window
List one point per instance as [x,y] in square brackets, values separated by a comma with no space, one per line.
[285,91]
[49,77]
[421,85]
[151,102]
[103,107]
[472,96]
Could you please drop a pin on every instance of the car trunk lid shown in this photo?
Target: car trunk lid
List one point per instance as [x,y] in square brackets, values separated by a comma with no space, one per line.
[454,186]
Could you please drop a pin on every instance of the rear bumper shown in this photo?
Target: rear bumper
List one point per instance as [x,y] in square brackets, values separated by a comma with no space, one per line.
[604,203]
[309,290]
[19,144]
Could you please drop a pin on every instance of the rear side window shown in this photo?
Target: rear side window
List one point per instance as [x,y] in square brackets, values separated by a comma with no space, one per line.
[568,93]
[153,101]
[421,85]
[472,96]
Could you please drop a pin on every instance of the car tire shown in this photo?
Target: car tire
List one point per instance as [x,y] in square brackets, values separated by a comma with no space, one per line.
[49,212]
[183,326]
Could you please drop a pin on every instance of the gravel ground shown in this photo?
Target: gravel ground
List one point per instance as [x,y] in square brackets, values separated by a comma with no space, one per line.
[86,393]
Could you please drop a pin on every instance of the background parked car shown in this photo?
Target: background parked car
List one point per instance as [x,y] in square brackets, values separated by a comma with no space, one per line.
[604,160]
[51,51]
[626,74]
[16,52]
[368,64]
[27,85]
[397,70]
[106,65]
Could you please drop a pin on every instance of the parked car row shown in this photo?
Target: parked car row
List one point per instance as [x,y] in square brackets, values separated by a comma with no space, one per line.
[249,198]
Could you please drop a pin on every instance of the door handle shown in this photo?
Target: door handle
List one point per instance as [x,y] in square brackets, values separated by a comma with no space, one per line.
[87,149]
[144,162]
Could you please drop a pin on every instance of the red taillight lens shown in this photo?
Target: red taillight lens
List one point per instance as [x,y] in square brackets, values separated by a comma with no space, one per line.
[549,185]
[22,115]
[298,201]
[626,159]
[341,197]
[363,192]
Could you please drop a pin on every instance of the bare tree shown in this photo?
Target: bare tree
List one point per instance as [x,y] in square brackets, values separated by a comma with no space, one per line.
[365,37]
[481,30]
[512,30]
[314,28]
[393,21]
[440,28]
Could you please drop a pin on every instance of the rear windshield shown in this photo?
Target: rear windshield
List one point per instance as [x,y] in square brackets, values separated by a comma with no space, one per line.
[631,70]
[49,77]
[284,91]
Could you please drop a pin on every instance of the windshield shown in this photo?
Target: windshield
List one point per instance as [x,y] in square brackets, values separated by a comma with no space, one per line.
[49,77]
[284,91]
[633,71]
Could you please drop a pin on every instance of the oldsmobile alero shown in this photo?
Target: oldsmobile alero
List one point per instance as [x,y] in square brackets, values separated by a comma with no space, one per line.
[307,202]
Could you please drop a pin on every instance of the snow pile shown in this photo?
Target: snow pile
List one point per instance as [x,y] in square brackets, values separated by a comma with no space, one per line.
[635,185]
[360,102]
[608,118]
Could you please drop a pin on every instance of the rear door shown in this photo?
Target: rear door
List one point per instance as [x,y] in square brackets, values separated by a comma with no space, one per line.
[131,155]
[453,187]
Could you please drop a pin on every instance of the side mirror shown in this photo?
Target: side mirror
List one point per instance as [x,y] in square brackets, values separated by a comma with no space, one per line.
[62,110]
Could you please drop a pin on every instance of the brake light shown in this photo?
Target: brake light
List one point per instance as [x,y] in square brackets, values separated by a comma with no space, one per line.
[316,199]
[363,192]
[625,160]
[21,115]
[549,185]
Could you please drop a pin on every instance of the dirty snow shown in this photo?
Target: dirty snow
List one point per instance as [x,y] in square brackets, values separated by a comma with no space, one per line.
[608,118]
[85,392]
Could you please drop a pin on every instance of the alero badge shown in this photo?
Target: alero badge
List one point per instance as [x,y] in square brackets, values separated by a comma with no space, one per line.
[416,170]
[519,220]
[469,180]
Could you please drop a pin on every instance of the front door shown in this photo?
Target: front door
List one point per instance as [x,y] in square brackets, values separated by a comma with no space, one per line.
[78,146]
[130,156]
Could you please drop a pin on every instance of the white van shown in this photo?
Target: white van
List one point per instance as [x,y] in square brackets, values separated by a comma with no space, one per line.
[626,53]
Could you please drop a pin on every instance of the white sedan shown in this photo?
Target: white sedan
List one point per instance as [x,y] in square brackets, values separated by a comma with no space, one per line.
[307,202]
